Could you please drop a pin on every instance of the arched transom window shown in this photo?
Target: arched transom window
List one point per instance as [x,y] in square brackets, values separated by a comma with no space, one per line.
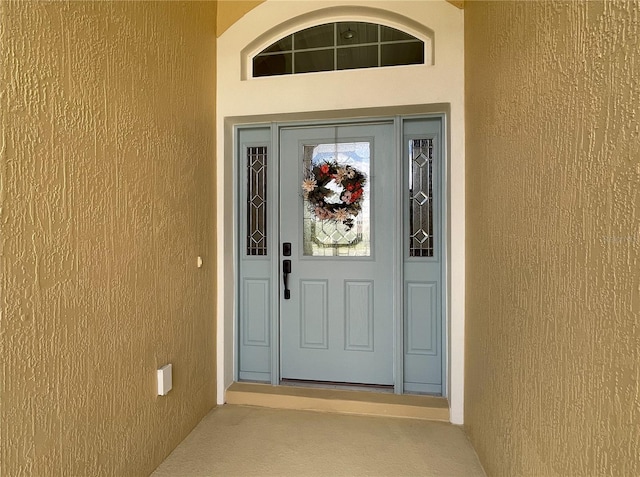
[339,46]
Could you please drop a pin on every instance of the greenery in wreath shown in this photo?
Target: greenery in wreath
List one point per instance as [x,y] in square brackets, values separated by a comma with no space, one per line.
[342,203]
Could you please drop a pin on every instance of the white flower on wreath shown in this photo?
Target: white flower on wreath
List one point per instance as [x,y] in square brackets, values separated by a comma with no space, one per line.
[341,215]
[308,185]
[351,173]
[341,173]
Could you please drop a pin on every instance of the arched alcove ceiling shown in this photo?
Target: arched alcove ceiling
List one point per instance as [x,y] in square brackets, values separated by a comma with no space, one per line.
[231,12]
[336,14]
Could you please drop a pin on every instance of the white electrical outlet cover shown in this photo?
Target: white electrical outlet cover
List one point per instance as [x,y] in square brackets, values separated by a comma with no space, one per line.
[165,380]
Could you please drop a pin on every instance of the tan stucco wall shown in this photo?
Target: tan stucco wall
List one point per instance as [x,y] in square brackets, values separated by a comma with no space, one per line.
[107,115]
[553,237]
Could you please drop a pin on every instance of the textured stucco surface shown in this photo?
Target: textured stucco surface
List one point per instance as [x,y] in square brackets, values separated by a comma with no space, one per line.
[553,242]
[107,147]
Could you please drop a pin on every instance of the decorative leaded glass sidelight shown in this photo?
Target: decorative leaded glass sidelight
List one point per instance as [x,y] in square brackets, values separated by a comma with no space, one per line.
[257,200]
[421,243]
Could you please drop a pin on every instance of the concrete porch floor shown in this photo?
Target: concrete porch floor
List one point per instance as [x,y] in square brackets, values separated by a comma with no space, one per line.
[234,440]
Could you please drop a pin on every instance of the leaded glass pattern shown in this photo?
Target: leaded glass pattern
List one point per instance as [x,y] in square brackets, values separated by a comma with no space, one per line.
[257,200]
[421,242]
[329,237]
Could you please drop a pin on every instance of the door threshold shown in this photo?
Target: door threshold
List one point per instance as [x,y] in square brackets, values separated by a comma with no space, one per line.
[339,401]
[376,388]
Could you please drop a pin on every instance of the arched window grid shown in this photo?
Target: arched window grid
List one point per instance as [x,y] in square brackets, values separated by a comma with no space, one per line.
[339,46]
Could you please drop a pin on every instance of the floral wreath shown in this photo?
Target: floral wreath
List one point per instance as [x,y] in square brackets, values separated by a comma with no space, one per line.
[316,192]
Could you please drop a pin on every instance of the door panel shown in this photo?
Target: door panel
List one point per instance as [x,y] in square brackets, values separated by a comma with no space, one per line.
[421,327]
[314,318]
[338,324]
[255,301]
[359,315]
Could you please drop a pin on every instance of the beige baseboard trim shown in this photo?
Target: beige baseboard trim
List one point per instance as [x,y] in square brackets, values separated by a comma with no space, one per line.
[338,400]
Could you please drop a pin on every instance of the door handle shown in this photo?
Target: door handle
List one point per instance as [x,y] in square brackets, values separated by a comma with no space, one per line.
[286,270]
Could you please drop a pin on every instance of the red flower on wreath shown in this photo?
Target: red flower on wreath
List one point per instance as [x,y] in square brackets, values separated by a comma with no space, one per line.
[324,168]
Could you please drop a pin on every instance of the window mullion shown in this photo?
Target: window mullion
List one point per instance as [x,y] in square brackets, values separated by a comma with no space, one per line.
[335,47]
[293,54]
[379,47]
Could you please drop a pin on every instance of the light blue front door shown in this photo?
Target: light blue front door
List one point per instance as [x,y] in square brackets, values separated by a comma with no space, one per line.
[355,214]
[337,200]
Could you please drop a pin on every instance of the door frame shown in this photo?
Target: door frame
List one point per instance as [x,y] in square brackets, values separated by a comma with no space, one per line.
[395,115]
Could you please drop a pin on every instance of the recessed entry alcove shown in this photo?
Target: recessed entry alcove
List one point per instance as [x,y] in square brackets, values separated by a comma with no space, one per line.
[358,85]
